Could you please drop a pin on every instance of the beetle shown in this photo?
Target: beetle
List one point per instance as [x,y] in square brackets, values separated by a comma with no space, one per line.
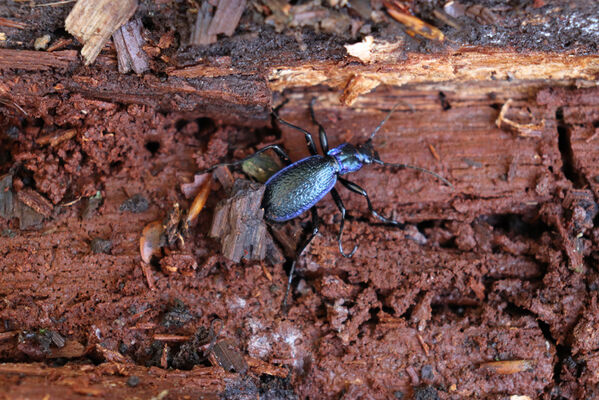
[300,185]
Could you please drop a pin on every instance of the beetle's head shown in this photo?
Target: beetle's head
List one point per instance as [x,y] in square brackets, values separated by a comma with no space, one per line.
[368,153]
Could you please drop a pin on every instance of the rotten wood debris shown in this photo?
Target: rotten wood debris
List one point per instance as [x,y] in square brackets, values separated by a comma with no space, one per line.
[239,225]
[210,22]
[29,206]
[92,22]
[519,228]
[129,43]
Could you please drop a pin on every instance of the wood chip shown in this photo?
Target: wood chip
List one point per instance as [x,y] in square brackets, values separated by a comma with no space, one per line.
[12,24]
[32,60]
[524,130]
[92,22]
[55,139]
[87,391]
[7,198]
[370,51]
[8,335]
[191,189]
[71,349]
[36,201]
[166,337]
[239,223]
[144,326]
[508,367]
[226,354]
[164,357]
[224,176]
[60,44]
[423,344]
[413,25]
[260,367]
[357,86]
[129,44]
[199,32]
[148,274]
[434,152]
[226,18]
[112,356]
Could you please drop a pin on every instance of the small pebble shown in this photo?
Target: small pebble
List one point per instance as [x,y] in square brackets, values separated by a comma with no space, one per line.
[99,245]
[133,381]
[135,204]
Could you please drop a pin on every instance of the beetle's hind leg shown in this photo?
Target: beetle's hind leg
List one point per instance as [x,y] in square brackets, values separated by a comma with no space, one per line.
[357,189]
[275,147]
[300,250]
[341,208]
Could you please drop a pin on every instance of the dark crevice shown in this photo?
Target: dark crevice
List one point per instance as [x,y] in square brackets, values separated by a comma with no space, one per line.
[153,146]
[565,148]
[564,353]
[517,224]
[444,102]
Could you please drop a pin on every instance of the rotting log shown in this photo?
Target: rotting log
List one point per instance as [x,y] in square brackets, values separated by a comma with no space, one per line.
[109,380]
[218,89]
[472,267]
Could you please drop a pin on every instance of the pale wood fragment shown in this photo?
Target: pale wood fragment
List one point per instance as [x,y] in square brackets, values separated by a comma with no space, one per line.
[226,17]
[92,22]
[200,33]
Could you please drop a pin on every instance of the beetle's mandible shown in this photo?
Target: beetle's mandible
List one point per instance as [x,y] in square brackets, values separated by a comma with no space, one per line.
[300,185]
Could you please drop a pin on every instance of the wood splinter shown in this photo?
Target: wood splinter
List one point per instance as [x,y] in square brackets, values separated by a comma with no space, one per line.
[92,22]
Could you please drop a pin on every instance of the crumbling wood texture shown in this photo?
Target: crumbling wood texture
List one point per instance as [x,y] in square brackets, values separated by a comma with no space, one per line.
[460,143]
[498,268]
[471,261]
[243,95]
[240,227]
[129,44]
[110,380]
[92,22]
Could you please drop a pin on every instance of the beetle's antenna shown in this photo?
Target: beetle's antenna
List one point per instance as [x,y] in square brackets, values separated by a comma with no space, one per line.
[383,121]
[387,117]
[445,181]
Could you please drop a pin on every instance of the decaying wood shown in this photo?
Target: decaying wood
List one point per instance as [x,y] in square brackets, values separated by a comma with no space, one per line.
[129,44]
[36,60]
[453,68]
[200,33]
[226,17]
[36,201]
[239,224]
[92,22]
[244,95]
[110,380]
[449,102]
[484,175]
[229,356]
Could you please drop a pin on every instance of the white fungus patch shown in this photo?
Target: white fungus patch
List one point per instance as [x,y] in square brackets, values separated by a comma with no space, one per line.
[237,302]
[259,346]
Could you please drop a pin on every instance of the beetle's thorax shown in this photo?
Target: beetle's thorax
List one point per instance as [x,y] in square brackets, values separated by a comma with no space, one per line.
[348,157]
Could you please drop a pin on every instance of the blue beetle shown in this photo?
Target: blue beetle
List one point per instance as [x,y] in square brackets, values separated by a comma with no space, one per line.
[300,185]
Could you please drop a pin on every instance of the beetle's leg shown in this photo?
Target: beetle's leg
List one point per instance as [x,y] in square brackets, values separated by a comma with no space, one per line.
[322,135]
[300,250]
[357,189]
[275,147]
[341,208]
[307,135]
